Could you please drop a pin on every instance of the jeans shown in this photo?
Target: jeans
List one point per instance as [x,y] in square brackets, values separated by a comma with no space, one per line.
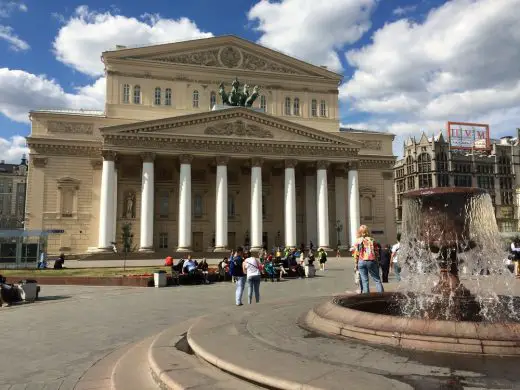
[253,283]
[369,267]
[397,272]
[241,281]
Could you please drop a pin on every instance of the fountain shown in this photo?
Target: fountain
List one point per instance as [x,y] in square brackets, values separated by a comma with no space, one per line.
[444,229]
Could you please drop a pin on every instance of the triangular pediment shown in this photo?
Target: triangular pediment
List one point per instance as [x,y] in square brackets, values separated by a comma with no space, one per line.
[230,125]
[229,52]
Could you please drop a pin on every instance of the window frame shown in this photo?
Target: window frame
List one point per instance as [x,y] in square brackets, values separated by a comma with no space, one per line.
[263,103]
[195,98]
[136,96]
[323,109]
[168,97]
[157,96]
[212,99]
[314,108]
[126,93]
[287,106]
[296,106]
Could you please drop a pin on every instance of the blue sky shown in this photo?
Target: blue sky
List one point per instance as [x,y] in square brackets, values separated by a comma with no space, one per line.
[409,66]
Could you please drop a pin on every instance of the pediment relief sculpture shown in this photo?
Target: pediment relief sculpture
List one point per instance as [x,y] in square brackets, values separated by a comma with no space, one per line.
[373,145]
[228,56]
[239,129]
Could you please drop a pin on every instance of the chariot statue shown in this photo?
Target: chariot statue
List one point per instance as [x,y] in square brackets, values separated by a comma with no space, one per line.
[236,97]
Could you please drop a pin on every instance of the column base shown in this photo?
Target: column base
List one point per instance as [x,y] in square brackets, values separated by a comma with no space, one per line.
[146,250]
[183,249]
[326,248]
[100,250]
[256,248]
[221,249]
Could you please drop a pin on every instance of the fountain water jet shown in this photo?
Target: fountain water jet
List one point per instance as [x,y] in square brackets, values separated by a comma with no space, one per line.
[442,229]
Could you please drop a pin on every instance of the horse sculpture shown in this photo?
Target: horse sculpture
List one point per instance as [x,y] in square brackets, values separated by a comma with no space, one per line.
[237,98]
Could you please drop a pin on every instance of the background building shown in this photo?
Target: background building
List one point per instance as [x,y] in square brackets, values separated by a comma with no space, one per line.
[187,177]
[12,194]
[431,162]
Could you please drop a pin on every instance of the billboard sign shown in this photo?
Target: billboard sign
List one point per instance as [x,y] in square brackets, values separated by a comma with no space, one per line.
[463,135]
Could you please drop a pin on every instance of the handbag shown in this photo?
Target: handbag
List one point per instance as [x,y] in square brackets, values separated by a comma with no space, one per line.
[356,278]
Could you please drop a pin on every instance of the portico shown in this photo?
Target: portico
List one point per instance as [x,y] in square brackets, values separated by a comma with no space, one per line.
[252,191]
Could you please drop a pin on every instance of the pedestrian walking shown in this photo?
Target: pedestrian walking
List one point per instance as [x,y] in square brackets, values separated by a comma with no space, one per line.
[395,258]
[251,267]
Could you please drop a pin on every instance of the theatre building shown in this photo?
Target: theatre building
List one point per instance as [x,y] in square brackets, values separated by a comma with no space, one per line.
[188,173]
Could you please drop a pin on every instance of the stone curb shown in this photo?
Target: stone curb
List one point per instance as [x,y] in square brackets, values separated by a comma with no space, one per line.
[254,376]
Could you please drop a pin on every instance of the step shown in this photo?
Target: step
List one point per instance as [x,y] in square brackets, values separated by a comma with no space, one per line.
[173,368]
[132,370]
[98,377]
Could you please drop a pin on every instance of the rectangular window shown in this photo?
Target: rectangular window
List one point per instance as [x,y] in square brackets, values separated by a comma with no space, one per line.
[137,94]
[195,99]
[323,109]
[157,96]
[263,103]
[314,107]
[231,207]
[287,106]
[164,206]
[168,97]
[126,93]
[197,206]
[296,107]
[163,240]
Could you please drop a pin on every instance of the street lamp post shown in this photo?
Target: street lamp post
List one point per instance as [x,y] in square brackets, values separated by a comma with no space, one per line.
[339,228]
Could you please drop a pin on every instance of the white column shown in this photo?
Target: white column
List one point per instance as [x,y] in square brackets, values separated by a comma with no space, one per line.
[256,204]
[322,205]
[353,202]
[106,201]
[221,206]
[114,214]
[340,186]
[147,203]
[310,206]
[185,204]
[290,204]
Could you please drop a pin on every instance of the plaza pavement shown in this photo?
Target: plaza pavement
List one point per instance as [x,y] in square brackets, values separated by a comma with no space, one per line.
[50,344]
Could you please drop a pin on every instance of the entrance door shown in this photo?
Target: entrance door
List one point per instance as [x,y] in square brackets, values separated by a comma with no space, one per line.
[197,239]
[231,240]
[265,240]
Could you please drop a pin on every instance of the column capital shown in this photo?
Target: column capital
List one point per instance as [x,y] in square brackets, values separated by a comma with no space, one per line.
[353,165]
[290,163]
[322,164]
[185,158]
[148,156]
[222,160]
[108,155]
[257,162]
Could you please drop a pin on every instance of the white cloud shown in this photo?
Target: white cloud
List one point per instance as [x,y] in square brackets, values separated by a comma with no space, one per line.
[83,38]
[460,63]
[312,30]
[400,11]
[8,7]
[23,92]
[15,43]
[13,149]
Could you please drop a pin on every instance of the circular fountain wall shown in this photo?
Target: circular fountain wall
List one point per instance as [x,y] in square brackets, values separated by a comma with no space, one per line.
[444,230]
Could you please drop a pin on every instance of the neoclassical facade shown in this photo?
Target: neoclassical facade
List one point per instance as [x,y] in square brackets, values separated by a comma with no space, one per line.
[188,174]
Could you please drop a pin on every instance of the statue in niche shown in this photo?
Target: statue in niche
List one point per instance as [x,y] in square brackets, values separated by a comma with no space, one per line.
[130,205]
[237,98]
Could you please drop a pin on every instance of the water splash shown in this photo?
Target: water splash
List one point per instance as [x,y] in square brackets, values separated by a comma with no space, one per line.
[458,233]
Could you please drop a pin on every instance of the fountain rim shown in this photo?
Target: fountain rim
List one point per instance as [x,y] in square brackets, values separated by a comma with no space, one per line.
[425,192]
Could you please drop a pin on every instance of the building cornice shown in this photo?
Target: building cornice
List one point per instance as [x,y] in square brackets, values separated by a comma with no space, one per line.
[71,148]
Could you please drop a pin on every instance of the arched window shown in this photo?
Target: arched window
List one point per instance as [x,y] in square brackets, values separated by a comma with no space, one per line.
[263,103]
[314,107]
[287,106]
[323,108]
[168,97]
[157,97]
[296,106]
[126,93]
[197,206]
[409,165]
[231,206]
[195,99]
[212,99]
[137,94]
